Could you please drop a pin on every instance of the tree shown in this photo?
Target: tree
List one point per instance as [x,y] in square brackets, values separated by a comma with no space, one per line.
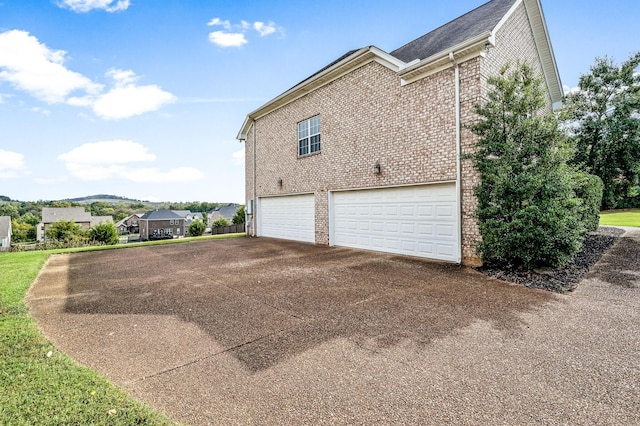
[603,117]
[102,208]
[238,218]
[21,231]
[196,228]
[528,213]
[66,232]
[9,209]
[29,218]
[105,233]
[220,222]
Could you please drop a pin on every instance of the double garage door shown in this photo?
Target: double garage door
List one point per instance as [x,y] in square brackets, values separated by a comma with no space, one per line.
[413,220]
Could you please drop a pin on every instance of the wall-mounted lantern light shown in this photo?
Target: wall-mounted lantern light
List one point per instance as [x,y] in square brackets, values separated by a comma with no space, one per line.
[280,183]
[376,168]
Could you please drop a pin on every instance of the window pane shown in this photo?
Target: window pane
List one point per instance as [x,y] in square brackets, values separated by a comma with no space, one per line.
[315,125]
[303,147]
[303,129]
[315,143]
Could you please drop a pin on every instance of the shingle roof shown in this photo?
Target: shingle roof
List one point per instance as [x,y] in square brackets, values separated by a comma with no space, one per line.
[480,20]
[96,220]
[5,223]
[70,214]
[160,215]
[227,211]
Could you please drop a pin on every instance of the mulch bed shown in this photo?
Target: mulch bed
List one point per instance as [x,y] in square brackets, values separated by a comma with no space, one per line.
[567,277]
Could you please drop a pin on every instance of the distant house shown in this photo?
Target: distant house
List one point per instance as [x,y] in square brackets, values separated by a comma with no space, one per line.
[188,216]
[159,224]
[77,215]
[227,211]
[5,232]
[129,225]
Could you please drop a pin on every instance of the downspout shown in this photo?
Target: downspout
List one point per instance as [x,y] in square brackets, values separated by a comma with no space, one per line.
[255,201]
[458,152]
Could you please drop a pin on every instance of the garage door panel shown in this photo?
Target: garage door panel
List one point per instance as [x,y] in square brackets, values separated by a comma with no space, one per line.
[418,221]
[289,217]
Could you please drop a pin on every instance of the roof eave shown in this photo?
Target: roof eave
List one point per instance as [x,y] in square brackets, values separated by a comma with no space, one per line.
[359,58]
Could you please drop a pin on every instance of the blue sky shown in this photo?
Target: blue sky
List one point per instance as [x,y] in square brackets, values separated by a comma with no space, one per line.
[144,98]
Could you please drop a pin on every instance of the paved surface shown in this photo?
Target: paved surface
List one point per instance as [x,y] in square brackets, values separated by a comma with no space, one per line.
[260,331]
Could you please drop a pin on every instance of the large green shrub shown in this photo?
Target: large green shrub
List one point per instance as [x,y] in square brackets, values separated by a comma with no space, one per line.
[196,228]
[105,233]
[70,234]
[588,188]
[528,212]
[220,222]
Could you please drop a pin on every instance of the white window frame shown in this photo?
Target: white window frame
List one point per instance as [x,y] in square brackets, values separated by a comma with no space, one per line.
[309,139]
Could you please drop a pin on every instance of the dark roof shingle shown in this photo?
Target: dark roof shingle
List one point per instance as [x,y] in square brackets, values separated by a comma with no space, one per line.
[480,20]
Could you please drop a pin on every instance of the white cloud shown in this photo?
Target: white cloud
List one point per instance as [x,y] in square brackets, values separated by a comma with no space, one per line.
[217,21]
[569,90]
[112,160]
[126,101]
[236,38]
[31,66]
[264,29]
[81,6]
[114,152]
[223,39]
[238,157]
[11,164]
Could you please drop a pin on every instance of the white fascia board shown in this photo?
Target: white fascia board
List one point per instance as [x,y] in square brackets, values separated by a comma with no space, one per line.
[357,59]
[545,50]
[461,52]
[507,15]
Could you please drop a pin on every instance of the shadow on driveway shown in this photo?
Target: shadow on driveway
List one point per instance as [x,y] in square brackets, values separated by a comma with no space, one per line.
[264,301]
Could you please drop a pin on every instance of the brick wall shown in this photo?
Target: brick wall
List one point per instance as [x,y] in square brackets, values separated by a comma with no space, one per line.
[368,117]
[409,130]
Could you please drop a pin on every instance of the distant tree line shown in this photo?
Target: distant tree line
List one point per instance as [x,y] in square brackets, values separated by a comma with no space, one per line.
[25,215]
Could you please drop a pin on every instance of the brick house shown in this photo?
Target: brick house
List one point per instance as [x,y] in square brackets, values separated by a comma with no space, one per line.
[369,151]
[159,224]
[129,225]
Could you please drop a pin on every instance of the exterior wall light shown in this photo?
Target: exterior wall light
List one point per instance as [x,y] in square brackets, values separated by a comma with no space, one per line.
[376,168]
[280,183]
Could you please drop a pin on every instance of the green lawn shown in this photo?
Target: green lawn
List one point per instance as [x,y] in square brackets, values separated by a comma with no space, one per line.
[621,218]
[41,385]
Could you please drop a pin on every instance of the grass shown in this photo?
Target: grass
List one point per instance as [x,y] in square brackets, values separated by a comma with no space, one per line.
[41,385]
[621,218]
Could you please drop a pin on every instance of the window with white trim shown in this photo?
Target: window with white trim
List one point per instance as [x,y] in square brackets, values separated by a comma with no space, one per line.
[309,136]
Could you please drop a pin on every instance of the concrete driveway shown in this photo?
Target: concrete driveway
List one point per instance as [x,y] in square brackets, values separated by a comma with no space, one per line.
[261,331]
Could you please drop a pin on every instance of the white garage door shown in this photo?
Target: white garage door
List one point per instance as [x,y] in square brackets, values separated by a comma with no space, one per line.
[290,217]
[413,220]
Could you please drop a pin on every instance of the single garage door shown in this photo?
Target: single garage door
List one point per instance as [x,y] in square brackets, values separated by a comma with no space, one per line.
[290,217]
[412,220]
